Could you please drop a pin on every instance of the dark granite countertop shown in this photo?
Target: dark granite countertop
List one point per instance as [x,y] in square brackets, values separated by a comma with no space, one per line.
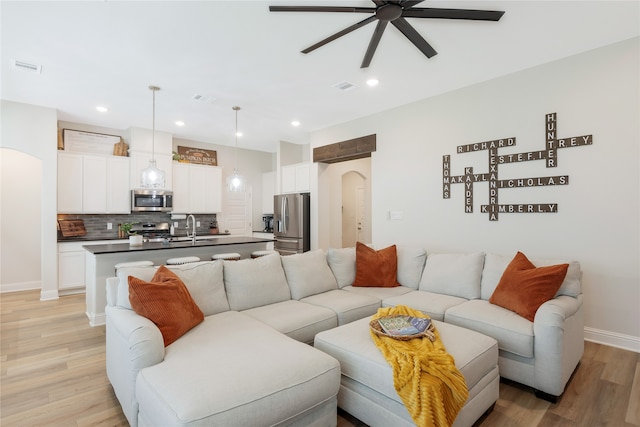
[200,242]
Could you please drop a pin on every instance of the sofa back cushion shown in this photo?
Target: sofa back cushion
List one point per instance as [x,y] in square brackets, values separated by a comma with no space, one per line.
[343,265]
[453,274]
[495,265]
[308,274]
[255,282]
[410,265]
[203,281]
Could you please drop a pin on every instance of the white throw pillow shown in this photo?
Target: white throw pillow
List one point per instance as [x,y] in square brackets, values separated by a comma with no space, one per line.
[205,284]
[255,282]
[308,274]
[410,266]
[453,274]
[343,265]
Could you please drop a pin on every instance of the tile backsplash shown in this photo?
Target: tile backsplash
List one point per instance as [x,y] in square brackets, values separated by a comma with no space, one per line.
[96,225]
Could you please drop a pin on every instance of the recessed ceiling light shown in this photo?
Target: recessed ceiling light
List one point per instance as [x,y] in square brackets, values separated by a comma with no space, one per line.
[102,109]
[179,123]
[295,123]
[238,134]
[372,82]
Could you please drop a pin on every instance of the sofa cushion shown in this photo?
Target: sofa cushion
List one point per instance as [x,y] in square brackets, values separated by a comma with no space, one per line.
[524,287]
[255,282]
[308,274]
[203,280]
[377,292]
[514,333]
[410,266]
[348,306]
[343,265]
[235,371]
[165,301]
[376,268]
[295,319]
[453,274]
[495,264]
[429,303]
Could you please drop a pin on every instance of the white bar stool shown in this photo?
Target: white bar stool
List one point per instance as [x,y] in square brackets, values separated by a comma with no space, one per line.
[133,264]
[258,254]
[231,256]
[182,260]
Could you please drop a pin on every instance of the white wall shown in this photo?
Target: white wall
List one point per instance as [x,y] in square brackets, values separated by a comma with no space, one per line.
[598,217]
[33,131]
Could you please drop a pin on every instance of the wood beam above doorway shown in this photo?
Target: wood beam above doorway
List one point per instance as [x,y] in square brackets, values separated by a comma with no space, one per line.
[352,149]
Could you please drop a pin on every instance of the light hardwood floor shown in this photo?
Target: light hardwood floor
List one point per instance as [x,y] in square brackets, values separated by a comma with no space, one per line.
[52,373]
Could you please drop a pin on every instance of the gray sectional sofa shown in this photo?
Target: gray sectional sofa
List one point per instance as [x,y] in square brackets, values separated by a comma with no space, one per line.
[250,362]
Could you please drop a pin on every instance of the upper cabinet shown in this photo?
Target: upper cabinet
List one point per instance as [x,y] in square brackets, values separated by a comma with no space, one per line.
[296,178]
[268,191]
[93,184]
[196,188]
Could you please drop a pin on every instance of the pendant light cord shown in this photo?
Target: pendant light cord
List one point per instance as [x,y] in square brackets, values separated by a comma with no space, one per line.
[236,108]
[153,124]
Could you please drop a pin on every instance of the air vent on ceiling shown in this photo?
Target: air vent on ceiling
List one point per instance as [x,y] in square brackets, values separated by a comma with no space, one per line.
[344,86]
[26,66]
[203,98]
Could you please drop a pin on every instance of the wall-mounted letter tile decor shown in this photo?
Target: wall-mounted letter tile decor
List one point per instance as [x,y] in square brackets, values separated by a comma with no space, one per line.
[494,208]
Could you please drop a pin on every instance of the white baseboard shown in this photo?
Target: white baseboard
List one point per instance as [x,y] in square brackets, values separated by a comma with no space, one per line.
[20,286]
[612,339]
[49,295]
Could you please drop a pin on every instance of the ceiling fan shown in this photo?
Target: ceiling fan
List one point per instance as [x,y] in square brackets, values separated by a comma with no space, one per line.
[395,12]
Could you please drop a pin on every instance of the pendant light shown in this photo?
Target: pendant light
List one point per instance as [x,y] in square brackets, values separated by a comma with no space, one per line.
[235,181]
[152,177]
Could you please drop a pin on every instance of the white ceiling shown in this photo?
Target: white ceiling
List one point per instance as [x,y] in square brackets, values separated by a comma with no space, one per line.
[238,53]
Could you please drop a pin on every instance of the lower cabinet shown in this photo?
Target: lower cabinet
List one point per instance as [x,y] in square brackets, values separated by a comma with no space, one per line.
[70,266]
[264,236]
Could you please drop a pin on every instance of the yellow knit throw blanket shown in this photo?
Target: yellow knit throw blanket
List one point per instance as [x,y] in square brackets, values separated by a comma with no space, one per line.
[424,374]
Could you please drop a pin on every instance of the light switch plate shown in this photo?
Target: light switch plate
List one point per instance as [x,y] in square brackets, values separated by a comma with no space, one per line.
[395,215]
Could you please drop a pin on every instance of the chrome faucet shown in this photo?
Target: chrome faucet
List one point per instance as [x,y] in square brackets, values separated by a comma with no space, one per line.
[193,228]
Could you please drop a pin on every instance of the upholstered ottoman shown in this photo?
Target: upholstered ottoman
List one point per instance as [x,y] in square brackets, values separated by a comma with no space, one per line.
[366,389]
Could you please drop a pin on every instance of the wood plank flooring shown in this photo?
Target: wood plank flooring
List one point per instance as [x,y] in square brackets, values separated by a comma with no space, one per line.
[52,373]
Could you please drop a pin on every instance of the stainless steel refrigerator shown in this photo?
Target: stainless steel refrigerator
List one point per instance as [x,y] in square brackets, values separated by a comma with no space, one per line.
[291,225]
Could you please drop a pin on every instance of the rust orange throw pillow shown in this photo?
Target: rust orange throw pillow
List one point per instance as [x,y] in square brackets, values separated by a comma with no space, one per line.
[376,268]
[524,287]
[166,301]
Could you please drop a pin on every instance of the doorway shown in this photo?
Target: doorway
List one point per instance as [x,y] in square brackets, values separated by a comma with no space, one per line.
[354,218]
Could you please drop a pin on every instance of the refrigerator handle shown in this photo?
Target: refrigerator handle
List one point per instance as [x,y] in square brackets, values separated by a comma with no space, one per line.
[285,213]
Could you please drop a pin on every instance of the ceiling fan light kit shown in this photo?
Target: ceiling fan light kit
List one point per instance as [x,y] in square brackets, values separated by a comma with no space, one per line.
[393,12]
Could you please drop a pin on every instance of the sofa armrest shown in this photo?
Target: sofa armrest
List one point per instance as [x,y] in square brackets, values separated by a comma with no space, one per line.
[133,343]
[559,342]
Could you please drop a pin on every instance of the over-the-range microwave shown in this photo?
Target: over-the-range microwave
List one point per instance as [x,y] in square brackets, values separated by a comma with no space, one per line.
[149,200]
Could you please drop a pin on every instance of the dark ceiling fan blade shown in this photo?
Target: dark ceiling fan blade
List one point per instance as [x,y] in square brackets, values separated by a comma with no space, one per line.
[373,44]
[413,36]
[322,9]
[409,3]
[340,34]
[478,15]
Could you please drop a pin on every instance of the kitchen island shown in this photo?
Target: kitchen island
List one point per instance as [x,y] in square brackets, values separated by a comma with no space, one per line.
[100,261]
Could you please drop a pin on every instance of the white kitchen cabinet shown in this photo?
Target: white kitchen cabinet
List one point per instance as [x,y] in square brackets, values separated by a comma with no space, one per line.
[296,178]
[70,183]
[140,161]
[93,184]
[268,191]
[264,236]
[70,265]
[196,188]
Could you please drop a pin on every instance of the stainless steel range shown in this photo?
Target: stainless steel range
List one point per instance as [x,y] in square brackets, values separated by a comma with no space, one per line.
[152,231]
